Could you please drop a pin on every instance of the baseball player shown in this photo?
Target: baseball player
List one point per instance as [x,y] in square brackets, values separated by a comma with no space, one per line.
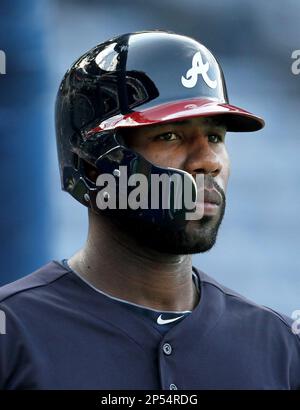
[128,310]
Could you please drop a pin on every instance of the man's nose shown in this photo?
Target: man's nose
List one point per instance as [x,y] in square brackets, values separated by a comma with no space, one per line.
[202,158]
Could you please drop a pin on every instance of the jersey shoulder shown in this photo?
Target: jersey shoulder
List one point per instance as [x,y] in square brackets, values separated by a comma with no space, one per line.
[238,301]
[43,276]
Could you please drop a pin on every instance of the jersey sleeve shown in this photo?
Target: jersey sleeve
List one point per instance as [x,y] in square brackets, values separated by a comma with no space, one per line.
[14,354]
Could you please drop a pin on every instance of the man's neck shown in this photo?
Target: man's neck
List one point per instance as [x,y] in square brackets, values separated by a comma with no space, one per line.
[113,262]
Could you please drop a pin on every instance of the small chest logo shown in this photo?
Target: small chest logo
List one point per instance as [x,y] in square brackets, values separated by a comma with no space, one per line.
[162,321]
[198,68]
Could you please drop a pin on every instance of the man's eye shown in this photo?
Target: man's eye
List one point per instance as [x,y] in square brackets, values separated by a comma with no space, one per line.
[168,136]
[215,138]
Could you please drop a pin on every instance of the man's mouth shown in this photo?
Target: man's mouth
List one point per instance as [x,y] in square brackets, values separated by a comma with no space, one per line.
[212,202]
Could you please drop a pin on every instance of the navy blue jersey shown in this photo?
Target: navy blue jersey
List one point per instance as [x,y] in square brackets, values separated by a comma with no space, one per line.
[61,333]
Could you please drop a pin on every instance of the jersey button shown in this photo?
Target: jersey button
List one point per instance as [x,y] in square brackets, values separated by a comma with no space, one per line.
[173,386]
[167,349]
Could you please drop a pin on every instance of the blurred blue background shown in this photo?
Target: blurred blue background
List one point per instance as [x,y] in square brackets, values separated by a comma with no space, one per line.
[257,252]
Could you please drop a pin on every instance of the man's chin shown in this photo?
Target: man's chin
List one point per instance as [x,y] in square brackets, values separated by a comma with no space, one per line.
[193,237]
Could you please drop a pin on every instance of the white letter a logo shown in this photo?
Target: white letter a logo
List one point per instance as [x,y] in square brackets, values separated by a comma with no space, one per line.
[198,68]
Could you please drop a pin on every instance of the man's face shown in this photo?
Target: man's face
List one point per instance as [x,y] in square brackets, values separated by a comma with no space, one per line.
[196,146]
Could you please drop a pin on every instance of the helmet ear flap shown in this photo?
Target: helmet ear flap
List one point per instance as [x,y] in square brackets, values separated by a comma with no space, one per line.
[80,175]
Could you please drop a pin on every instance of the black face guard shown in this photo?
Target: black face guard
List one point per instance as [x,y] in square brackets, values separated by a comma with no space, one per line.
[161,205]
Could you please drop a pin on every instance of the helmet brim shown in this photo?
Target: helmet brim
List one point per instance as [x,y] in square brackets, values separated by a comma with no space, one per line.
[234,118]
